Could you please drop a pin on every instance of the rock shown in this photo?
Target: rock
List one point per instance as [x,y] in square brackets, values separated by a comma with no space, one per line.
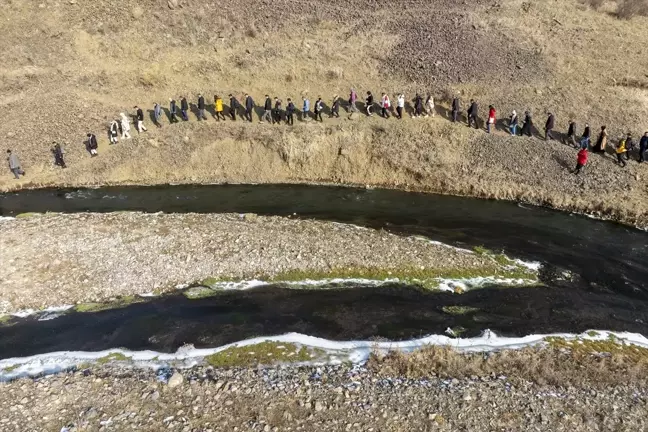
[250,217]
[175,380]
[155,395]
[172,4]
[137,12]
[153,143]
[185,139]
[318,406]
[343,152]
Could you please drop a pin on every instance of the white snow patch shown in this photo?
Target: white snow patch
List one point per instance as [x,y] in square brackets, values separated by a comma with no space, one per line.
[47,313]
[354,351]
[6,218]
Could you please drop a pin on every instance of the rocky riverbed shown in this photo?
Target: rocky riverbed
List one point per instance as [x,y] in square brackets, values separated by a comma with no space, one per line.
[336,398]
[55,259]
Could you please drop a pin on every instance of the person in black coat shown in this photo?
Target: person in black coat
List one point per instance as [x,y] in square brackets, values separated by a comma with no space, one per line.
[173,110]
[290,112]
[57,151]
[571,134]
[369,103]
[527,126]
[139,116]
[418,105]
[549,125]
[201,108]
[92,144]
[277,114]
[184,108]
[267,110]
[456,107]
[473,114]
[233,106]
[249,107]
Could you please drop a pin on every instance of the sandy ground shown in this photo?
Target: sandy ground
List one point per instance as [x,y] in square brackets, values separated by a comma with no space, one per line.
[307,399]
[65,259]
[69,67]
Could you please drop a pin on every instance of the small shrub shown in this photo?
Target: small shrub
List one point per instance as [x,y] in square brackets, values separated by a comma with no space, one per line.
[594,4]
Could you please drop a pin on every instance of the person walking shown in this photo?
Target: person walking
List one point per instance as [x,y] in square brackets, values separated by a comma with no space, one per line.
[491,118]
[125,126]
[353,97]
[201,108]
[513,123]
[157,114]
[14,165]
[173,110]
[267,110]
[113,130]
[587,137]
[57,151]
[418,105]
[400,105]
[139,115]
[527,126]
[473,114]
[233,106]
[249,107]
[277,111]
[369,100]
[335,107]
[305,108]
[92,144]
[218,107]
[319,107]
[581,160]
[601,142]
[620,152]
[385,105]
[549,125]
[456,107]
[643,146]
[629,145]
[290,112]
[184,108]
[571,134]
[429,106]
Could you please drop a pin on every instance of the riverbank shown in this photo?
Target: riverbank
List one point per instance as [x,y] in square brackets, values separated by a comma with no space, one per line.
[58,259]
[315,398]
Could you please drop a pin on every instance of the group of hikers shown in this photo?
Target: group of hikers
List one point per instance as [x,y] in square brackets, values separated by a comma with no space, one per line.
[273,111]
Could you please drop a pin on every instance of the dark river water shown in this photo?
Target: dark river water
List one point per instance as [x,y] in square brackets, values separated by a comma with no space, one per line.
[608,289]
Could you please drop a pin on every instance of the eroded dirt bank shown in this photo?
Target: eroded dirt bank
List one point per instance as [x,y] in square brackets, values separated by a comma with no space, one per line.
[66,259]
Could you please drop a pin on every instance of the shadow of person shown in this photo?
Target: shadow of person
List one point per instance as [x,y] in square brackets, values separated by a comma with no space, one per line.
[167,113]
[193,108]
[502,125]
[259,110]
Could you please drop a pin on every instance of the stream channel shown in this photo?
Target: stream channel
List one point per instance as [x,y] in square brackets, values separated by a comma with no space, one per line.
[594,275]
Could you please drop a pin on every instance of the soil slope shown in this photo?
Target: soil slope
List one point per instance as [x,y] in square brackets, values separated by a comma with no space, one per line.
[71,66]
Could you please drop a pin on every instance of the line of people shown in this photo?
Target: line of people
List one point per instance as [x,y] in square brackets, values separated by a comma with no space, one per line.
[274,112]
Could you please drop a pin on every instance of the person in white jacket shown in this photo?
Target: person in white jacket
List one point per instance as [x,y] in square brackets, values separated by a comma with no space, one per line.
[400,105]
[429,106]
[125,125]
[385,105]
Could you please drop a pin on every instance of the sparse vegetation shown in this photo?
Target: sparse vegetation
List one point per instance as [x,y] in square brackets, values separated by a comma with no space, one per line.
[561,362]
[11,368]
[97,307]
[264,353]
[459,310]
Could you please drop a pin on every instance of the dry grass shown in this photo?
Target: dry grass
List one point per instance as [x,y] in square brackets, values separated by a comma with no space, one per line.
[579,363]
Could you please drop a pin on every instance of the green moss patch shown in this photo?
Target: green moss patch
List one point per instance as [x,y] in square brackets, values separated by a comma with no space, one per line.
[28,215]
[459,310]
[264,353]
[199,292]
[610,346]
[112,357]
[10,368]
[97,307]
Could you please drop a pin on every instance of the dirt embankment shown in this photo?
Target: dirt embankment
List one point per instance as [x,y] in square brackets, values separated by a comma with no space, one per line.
[332,398]
[51,260]
[70,67]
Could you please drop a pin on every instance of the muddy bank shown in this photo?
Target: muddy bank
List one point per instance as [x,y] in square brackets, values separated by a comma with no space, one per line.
[309,398]
[56,259]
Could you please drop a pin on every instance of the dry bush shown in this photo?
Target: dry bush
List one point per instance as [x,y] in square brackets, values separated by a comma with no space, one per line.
[594,4]
[545,366]
[627,9]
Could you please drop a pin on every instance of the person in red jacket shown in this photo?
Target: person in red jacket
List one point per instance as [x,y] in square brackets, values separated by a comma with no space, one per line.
[491,118]
[581,160]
